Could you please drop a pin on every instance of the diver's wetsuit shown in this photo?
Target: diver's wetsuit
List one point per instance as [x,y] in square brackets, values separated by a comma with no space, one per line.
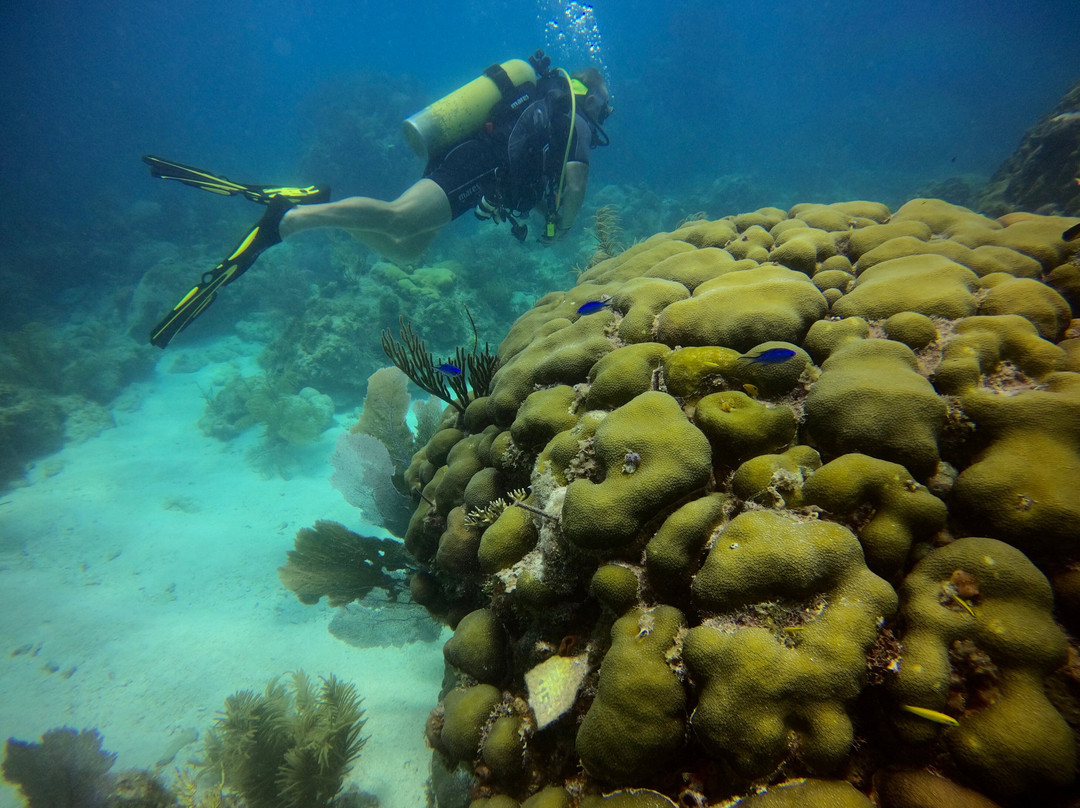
[480,167]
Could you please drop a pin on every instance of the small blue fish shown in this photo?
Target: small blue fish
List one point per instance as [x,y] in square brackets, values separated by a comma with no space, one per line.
[448,370]
[594,306]
[772,356]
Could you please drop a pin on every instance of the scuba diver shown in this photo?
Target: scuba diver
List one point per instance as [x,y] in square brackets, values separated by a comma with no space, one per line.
[516,138]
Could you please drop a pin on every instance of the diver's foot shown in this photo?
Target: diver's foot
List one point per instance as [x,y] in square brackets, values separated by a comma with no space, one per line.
[263,235]
[269,226]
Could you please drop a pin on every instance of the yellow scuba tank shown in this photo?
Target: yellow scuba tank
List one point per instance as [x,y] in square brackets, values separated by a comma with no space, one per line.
[463,112]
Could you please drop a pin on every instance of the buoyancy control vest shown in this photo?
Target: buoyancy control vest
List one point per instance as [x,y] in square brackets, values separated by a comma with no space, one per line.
[536,135]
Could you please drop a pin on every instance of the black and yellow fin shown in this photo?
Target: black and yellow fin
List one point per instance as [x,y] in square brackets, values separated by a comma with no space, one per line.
[263,235]
[217,184]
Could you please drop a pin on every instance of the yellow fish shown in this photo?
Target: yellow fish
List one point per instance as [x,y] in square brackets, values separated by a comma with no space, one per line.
[931,715]
[751,390]
[965,604]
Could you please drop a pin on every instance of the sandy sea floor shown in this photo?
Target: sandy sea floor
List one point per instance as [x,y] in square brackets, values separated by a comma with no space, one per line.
[139,589]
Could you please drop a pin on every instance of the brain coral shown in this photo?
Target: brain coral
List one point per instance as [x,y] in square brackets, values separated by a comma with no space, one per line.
[775,409]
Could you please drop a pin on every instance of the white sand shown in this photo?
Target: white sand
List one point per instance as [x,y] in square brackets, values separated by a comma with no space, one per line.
[147,565]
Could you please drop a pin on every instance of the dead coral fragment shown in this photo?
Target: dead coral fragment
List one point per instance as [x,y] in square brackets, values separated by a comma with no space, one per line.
[553,686]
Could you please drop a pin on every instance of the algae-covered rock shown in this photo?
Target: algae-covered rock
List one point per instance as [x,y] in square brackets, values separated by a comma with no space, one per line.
[1022,486]
[929,284]
[979,346]
[563,357]
[980,607]
[672,460]
[672,556]
[690,371]
[478,646]
[506,540]
[738,427]
[806,793]
[636,723]
[623,374]
[795,611]
[903,511]
[31,425]
[543,415]
[1041,172]
[776,480]
[871,399]
[616,587]
[742,309]
[465,712]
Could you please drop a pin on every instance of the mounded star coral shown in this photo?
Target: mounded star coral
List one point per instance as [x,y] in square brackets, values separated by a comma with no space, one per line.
[773,572]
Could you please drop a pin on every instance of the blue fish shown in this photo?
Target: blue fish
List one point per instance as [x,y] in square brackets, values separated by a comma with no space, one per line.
[772,356]
[594,306]
[448,370]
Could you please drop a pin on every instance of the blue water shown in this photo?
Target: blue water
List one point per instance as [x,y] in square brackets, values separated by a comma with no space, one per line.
[814,97]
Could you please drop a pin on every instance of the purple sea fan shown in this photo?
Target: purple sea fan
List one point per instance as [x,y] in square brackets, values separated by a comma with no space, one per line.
[363,473]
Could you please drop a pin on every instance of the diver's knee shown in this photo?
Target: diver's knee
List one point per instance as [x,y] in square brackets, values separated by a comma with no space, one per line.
[423,207]
[409,220]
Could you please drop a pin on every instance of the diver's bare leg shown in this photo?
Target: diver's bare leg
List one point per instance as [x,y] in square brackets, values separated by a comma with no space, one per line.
[395,228]
[402,251]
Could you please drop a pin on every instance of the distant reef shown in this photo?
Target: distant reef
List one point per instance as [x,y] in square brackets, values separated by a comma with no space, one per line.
[1043,175]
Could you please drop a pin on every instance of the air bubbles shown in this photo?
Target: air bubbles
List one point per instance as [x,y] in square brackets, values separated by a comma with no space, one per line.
[571,34]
